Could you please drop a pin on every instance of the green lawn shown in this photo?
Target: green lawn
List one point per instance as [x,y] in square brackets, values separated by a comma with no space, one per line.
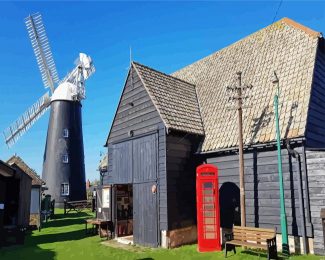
[64,238]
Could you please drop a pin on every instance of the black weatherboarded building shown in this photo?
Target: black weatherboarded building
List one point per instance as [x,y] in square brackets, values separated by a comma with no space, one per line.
[165,125]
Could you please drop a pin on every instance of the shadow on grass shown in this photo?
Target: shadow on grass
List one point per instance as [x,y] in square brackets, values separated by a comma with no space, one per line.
[259,254]
[64,222]
[71,218]
[31,248]
[72,214]
[23,252]
[57,237]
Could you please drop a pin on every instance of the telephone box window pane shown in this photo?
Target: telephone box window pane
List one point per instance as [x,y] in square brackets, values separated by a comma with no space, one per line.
[208,207]
[209,221]
[210,228]
[208,200]
[208,192]
[209,214]
[211,235]
[207,185]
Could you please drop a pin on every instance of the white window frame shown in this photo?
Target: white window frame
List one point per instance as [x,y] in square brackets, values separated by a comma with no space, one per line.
[65,189]
[65,132]
[65,158]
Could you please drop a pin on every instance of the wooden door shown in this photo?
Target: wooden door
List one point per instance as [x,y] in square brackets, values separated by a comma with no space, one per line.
[145,198]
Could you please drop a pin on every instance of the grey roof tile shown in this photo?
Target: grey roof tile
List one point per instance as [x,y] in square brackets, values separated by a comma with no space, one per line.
[175,99]
[16,160]
[286,47]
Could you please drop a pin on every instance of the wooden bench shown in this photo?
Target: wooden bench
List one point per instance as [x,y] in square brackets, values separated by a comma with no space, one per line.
[76,205]
[252,237]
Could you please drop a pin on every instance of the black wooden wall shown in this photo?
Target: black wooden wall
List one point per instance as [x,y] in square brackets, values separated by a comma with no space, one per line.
[316,182]
[315,131]
[261,189]
[181,166]
[136,112]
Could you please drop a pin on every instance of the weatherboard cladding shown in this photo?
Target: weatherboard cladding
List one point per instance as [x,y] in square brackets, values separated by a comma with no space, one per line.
[286,47]
[315,132]
[316,177]
[135,111]
[181,164]
[175,100]
[262,188]
[143,119]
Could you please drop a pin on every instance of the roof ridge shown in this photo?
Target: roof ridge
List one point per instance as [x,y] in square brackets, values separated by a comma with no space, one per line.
[285,20]
[168,75]
[301,27]
[152,97]
[17,160]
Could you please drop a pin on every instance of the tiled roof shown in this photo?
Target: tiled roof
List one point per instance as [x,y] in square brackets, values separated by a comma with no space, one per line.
[16,160]
[286,47]
[175,100]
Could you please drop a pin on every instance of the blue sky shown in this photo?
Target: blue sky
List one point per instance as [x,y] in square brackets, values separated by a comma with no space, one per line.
[163,35]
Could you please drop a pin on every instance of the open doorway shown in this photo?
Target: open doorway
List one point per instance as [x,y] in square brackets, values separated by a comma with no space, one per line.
[124,212]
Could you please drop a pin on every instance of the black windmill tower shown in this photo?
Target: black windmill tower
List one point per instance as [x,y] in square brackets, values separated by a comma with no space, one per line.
[63,166]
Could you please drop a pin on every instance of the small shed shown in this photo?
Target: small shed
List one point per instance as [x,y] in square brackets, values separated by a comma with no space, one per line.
[15,190]
[36,190]
[6,175]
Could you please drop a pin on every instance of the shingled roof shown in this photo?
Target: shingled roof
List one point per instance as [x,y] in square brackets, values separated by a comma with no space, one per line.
[286,47]
[174,99]
[17,161]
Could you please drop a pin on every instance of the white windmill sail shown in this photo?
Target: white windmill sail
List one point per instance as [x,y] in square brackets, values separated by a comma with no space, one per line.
[40,44]
[24,122]
[77,76]
[42,50]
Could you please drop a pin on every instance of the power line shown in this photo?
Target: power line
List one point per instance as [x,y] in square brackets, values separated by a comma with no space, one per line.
[276,13]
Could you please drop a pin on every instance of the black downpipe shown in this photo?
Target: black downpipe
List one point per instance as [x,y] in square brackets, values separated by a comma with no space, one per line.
[306,185]
[296,155]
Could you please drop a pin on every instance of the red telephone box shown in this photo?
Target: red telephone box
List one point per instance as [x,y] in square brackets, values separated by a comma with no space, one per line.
[208,213]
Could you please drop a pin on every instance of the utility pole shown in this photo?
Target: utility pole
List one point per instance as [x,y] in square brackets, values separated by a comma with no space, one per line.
[238,90]
[283,217]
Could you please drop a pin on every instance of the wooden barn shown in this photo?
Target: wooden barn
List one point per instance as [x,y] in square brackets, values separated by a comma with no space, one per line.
[166,125]
[15,189]
[35,196]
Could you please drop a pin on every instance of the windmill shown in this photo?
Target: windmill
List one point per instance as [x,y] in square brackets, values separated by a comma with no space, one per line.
[63,165]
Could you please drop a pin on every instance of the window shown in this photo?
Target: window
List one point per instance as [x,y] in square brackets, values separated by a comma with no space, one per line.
[65,189]
[65,133]
[65,158]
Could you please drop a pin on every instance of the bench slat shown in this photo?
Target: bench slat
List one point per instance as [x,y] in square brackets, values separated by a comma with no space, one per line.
[254,229]
[250,239]
[254,235]
[241,243]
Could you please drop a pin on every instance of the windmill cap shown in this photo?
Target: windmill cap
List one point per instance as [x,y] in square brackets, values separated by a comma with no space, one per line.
[65,91]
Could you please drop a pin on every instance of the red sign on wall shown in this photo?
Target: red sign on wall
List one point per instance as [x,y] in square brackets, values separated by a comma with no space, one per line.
[208,213]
